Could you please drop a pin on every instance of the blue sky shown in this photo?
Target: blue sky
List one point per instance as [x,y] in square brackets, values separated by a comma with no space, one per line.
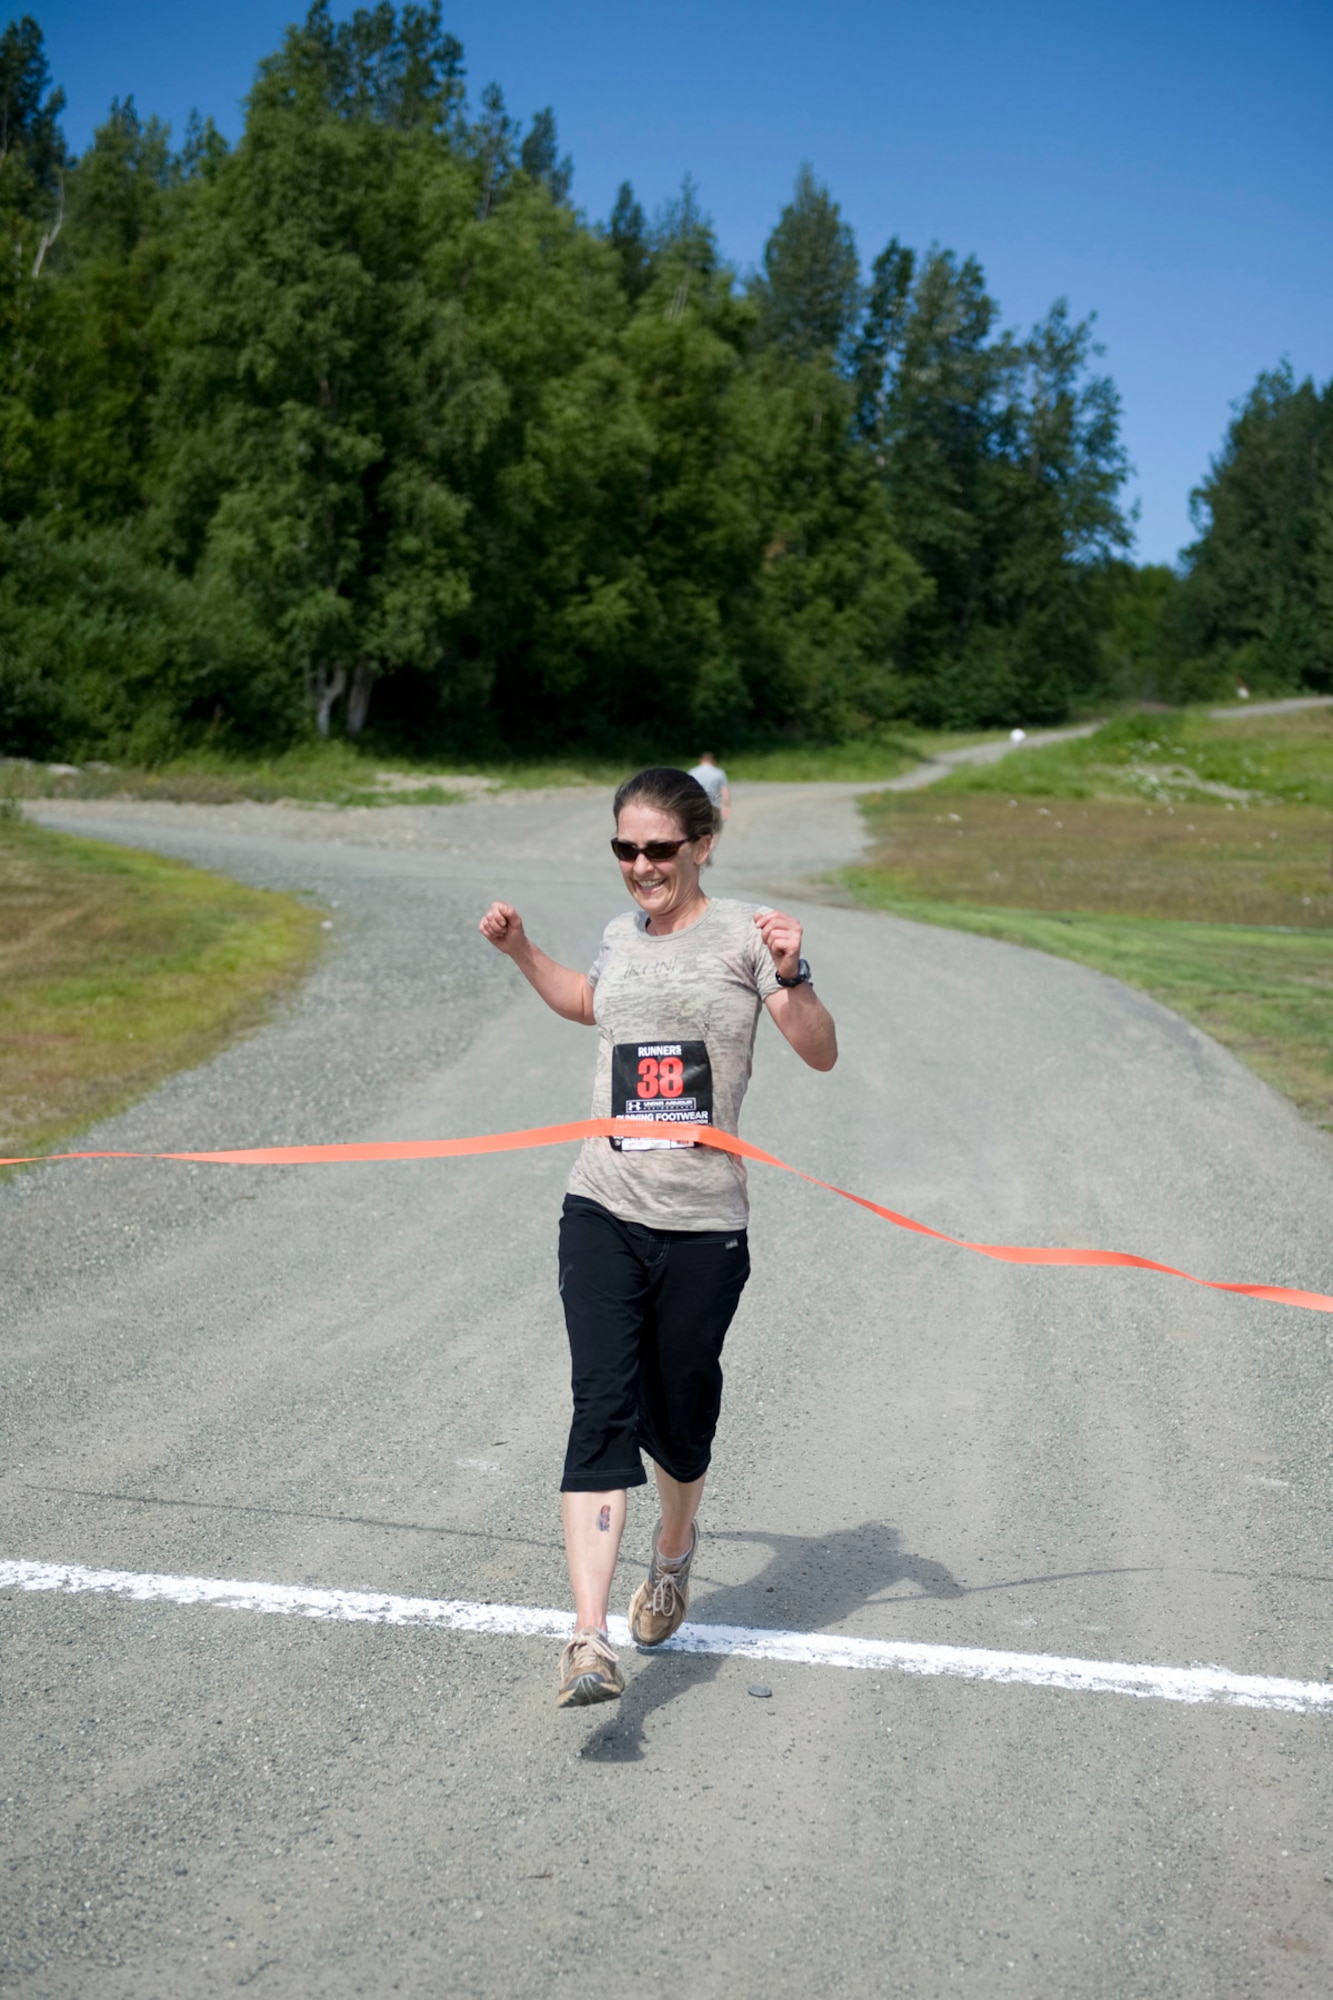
[1169,167]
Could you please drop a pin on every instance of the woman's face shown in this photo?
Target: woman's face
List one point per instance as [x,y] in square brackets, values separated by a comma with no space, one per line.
[660,887]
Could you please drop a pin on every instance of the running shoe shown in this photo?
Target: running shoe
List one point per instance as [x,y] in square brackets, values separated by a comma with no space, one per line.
[658,1606]
[589,1671]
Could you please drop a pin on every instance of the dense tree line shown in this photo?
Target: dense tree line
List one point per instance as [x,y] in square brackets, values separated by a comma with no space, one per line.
[359,423]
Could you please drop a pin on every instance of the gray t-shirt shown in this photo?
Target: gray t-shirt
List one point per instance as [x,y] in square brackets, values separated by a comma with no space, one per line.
[676,1019]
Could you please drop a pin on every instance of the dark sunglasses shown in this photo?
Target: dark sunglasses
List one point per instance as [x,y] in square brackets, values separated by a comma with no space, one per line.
[652,850]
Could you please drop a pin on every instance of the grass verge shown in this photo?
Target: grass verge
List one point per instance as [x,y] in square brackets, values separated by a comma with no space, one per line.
[1174,758]
[871,759]
[333,773]
[119,968]
[1189,858]
[313,774]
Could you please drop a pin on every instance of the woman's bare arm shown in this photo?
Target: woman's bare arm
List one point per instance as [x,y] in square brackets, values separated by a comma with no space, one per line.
[807,1024]
[566,992]
[798,1010]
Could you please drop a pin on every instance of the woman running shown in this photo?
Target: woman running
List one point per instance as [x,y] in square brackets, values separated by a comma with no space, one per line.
[653,1250]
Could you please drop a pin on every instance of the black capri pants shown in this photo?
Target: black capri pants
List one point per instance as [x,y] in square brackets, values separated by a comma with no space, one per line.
[647,1311]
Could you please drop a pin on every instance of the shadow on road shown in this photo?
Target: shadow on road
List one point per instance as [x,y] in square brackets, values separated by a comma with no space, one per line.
[439,1529]
[809,1584]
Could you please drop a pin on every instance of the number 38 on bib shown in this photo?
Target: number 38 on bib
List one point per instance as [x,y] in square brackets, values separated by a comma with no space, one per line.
[666,1082]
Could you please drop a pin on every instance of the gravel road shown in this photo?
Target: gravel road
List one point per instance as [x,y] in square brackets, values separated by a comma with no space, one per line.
[355,1378]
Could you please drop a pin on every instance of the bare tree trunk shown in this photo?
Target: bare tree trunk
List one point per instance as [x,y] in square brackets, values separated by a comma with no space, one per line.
[327,691]
[358,701]
[51,234]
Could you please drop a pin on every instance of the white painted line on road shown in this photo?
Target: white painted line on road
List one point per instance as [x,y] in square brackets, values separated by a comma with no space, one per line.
[744,1642]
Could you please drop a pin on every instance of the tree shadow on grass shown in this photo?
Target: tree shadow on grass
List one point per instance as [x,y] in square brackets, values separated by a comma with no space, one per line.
[809,1584]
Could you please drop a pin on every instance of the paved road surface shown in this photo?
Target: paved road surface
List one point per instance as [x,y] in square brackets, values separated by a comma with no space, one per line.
[355,1378]
[1284,707]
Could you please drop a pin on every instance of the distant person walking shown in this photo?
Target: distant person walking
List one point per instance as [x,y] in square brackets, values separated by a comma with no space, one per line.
[709,773]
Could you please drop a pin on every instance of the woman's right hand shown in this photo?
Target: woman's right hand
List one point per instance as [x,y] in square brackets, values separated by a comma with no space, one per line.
[502,926]
[566,992]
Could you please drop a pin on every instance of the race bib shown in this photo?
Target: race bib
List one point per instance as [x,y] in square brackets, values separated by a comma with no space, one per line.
[668,1082]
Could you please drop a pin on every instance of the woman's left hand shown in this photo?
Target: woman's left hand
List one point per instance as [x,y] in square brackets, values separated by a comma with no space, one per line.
[782,934]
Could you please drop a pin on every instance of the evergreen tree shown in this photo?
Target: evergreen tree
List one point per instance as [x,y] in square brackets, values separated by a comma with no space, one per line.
[809,295]
[1058,521]
[939,420]
[835,585]
[539,157]
[1322,674]
[880,338]
[104,341]
[29,109]
[32,213]
[1256,605]
[683,236]
[1003,465]
[627,233]
[493,140]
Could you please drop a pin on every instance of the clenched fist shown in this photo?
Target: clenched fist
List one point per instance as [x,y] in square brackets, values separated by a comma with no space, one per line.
[782,935]
[502,926]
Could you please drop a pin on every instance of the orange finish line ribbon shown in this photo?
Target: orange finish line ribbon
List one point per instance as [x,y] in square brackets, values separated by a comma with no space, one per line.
[703,1135]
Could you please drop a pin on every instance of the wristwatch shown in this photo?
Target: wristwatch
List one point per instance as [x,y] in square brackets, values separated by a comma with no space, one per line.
[802,975]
